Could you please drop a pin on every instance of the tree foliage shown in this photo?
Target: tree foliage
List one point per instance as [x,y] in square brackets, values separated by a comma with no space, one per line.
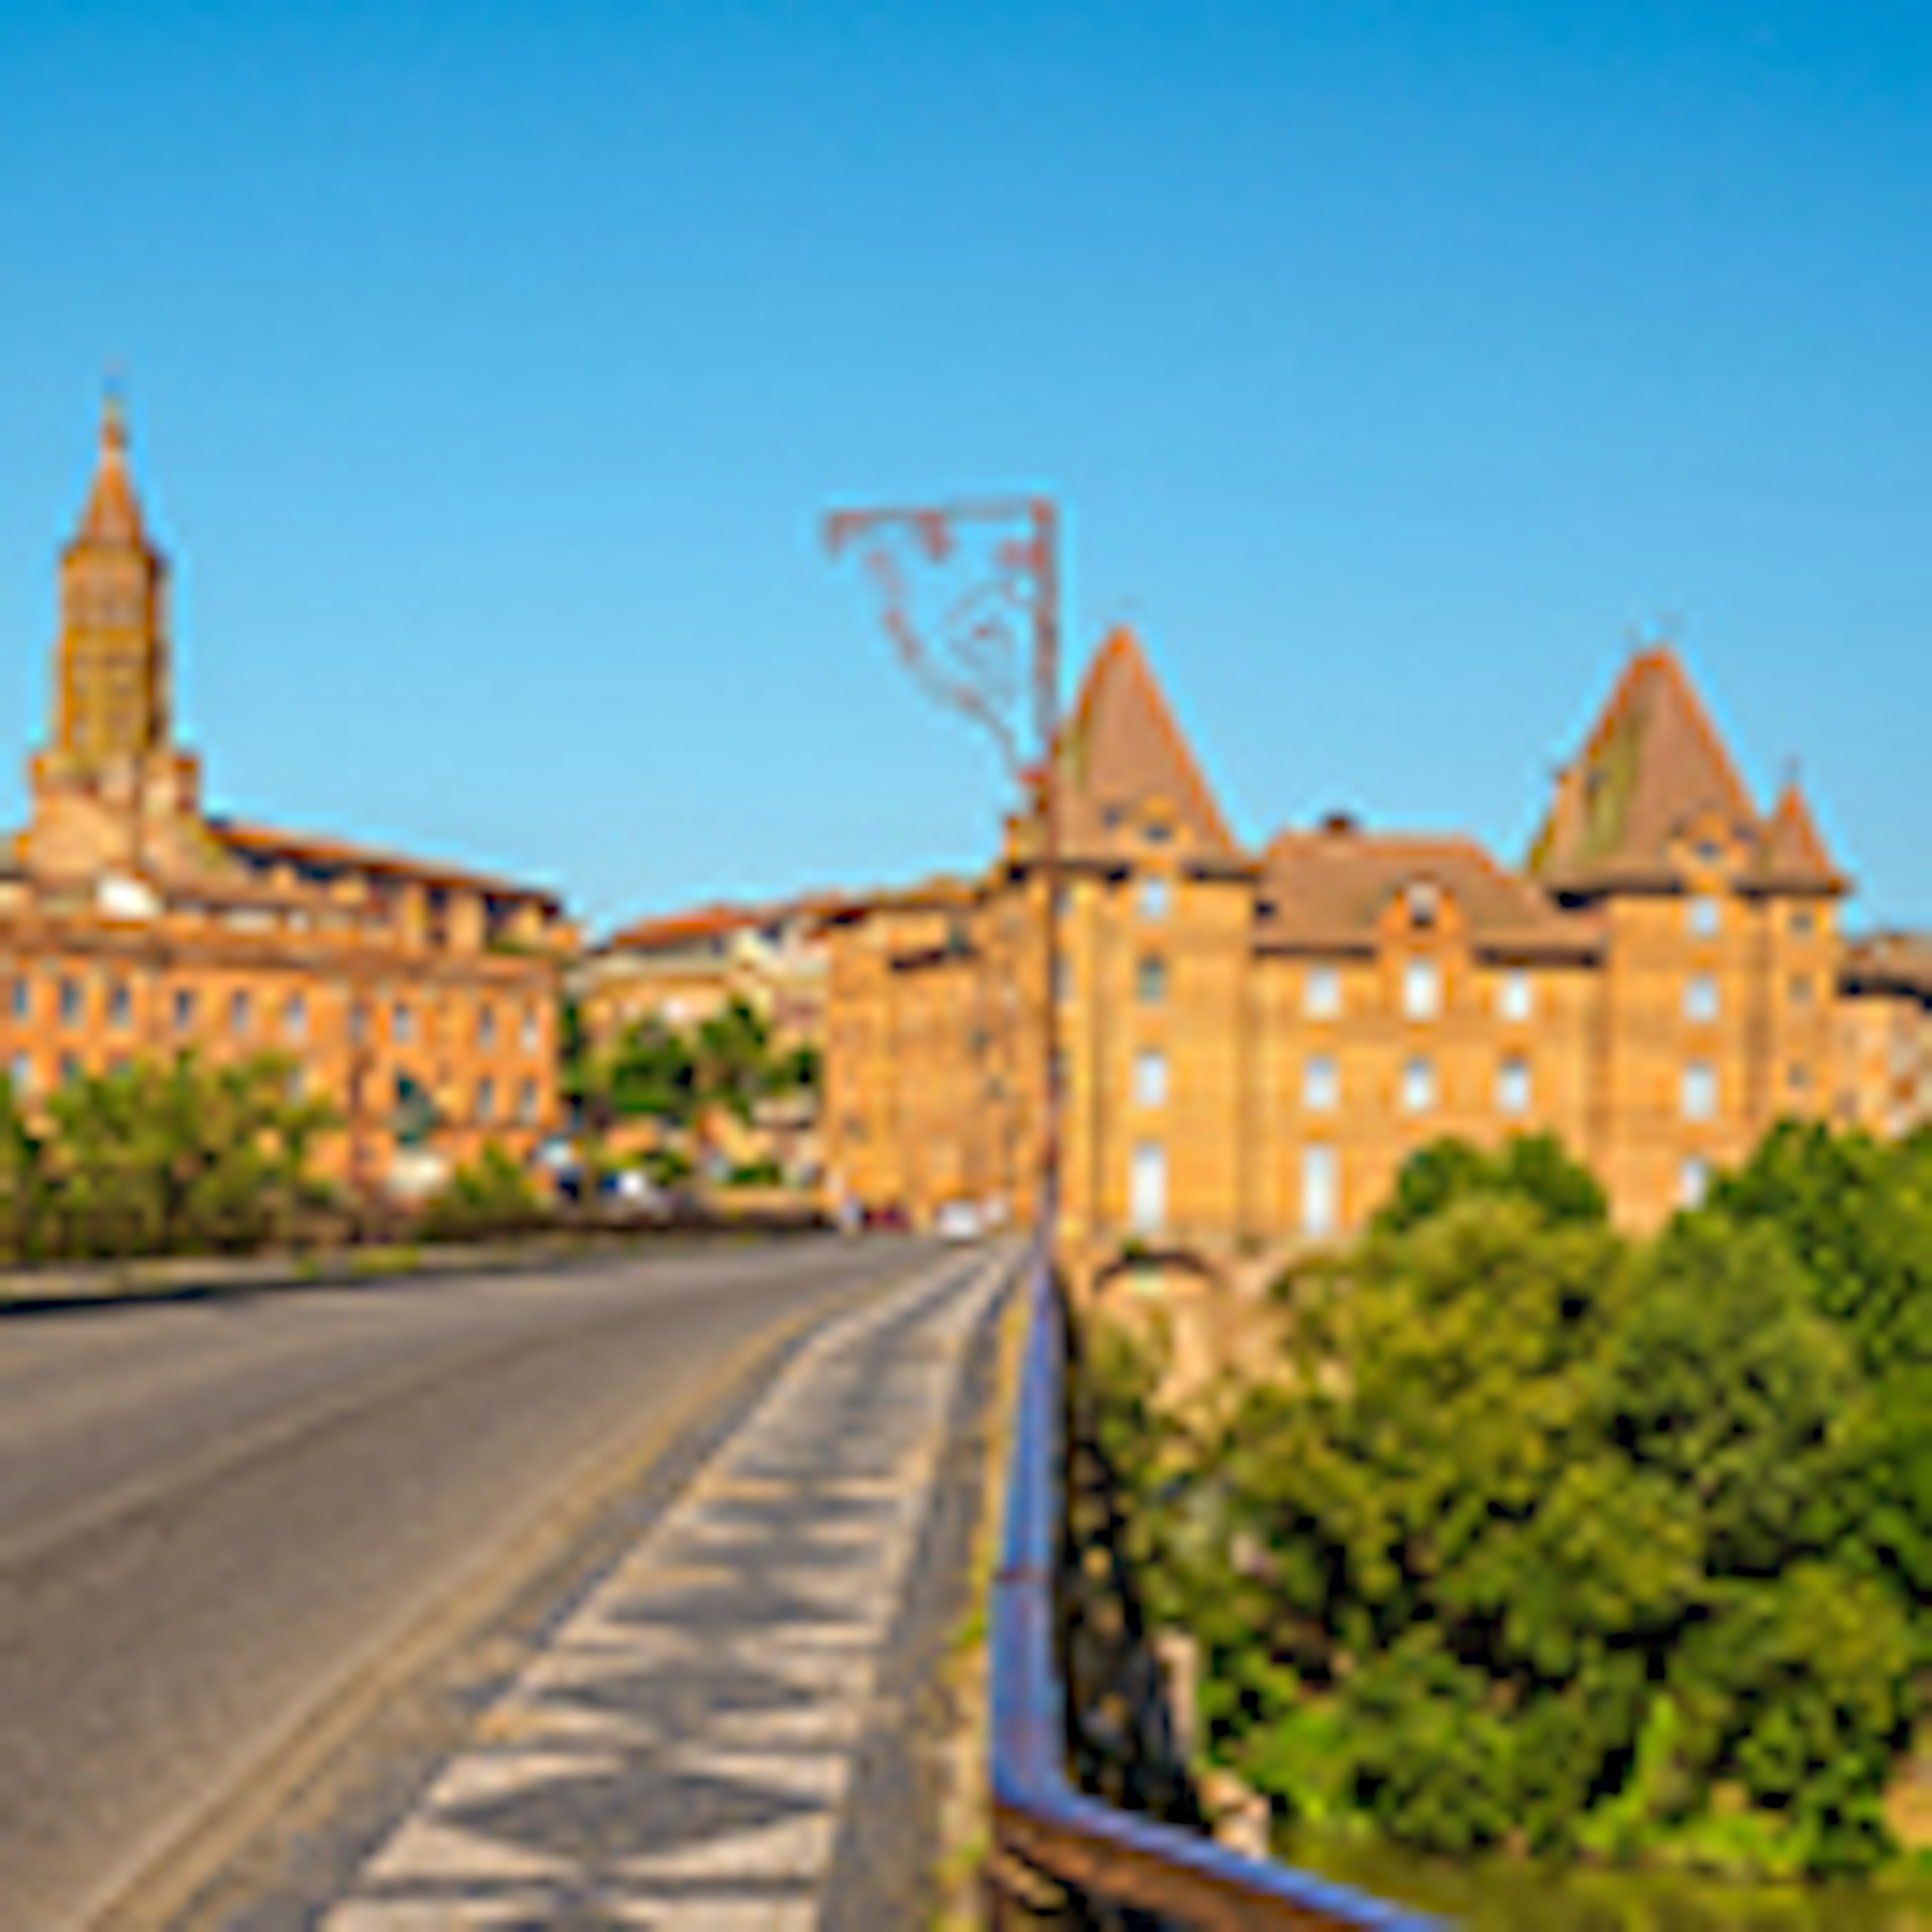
[1545,1537]
[159,1158]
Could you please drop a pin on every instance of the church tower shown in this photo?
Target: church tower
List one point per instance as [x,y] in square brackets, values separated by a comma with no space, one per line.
[112,796]
[111,690]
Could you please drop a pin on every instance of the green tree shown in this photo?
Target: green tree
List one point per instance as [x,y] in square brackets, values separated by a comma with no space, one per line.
[1535,1168]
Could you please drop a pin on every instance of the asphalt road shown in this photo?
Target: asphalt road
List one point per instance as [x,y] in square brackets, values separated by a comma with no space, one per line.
[213,1514]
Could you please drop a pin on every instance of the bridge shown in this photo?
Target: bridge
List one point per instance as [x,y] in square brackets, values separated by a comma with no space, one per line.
[646,1590]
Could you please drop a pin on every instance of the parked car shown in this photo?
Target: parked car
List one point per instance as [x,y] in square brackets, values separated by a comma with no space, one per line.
[959,1221]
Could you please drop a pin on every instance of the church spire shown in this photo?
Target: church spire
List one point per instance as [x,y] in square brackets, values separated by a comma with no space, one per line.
[113,513]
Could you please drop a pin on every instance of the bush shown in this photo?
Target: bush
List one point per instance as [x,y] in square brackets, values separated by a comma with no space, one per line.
[489,1195]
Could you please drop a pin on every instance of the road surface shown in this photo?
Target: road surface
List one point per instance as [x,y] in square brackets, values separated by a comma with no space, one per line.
[216,1517]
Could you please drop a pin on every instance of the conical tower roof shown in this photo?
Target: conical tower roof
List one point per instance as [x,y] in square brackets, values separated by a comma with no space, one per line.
[111,517]
[1792,854]
[1121,748]
[1653,765]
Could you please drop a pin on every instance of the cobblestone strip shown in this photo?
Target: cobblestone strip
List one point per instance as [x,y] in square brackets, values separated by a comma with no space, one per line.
[678,1755]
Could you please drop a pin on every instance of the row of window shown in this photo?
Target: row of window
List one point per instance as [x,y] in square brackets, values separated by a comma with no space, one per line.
[1420,1091]
[521,1108]
[184,1011]
[1422,992]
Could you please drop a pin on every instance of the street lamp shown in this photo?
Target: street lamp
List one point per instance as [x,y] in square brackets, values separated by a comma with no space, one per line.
[990,649]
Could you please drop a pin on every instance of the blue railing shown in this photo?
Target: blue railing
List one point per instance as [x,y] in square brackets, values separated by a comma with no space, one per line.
[1114,1865]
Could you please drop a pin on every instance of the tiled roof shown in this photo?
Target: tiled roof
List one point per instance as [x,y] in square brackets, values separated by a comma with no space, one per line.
[264,844]
[1652,768]
[699,922]
[1328,889]
[1122,747]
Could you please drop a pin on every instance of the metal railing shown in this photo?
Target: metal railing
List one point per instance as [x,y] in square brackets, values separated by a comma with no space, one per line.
[1108,1867]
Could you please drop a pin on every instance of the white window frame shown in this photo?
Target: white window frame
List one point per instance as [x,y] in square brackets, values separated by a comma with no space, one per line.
[1321,1190]
[1515,1089]
[1694,1180]
[1147,1187]
[1155,896]
[1421,989]
[1697,1090]
[1703,917]
[1321,993]
[1321,1083]
[1702,1001]
[1421,1089]
[1149,1077]
[1516,997]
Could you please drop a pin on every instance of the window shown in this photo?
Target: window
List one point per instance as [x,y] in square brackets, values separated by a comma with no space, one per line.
[238,1009]
[1699,1093]
[294,1017]
[486,1098]
[69,1069]
[526,1102]
[1421,989]
[1157,831]
[1797,1077]
[23,996]
[358,1024]
[1418,1085]
[402,1023]
[120,1007]
[1320,1084]
[1321,993]
[1512,1087]
[1150,981]
[530,1030]
[1156,896]
[184,1009]
[1693,1181]
[1424,902]
[21,1072]
[1147,1187]
[1701,917]
[1700,998]
[1149,1077]
[70,1002]
[1801,989]
[1320,1191]
[486,1026]
[1803,923]
[1516,997]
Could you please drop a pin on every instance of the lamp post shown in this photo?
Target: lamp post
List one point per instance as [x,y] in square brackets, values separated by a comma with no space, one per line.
[988,647]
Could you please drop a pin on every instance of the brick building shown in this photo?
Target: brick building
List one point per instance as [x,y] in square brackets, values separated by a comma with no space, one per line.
[133,923]
[1255,1040]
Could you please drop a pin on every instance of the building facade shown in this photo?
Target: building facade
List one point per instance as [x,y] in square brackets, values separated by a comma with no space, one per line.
[419,1000]
[1253,1041]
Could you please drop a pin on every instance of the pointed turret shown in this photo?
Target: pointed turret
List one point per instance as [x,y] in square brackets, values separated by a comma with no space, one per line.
[1121,750]
[1652,768]
[1792,856]
[112,515]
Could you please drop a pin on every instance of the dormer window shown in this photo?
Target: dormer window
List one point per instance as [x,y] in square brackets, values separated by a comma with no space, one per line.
[1157,831]
[1424,901]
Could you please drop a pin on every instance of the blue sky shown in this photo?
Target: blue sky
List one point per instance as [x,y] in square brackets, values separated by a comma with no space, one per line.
[490,367]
